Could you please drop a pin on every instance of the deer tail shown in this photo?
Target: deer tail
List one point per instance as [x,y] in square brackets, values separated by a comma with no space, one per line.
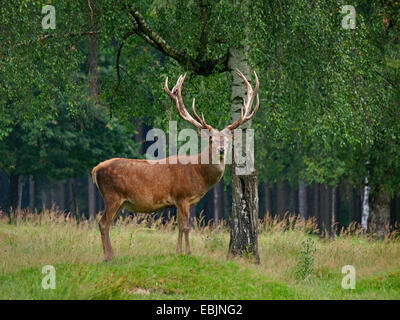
[94,176]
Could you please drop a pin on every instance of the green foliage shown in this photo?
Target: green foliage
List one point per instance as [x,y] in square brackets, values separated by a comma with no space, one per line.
[65,146]
[305,260]
[329,96]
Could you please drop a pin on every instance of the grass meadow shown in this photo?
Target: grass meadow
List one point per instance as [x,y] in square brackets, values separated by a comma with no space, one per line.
[295,262]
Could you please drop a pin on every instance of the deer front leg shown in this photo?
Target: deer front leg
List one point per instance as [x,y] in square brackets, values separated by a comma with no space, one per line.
[179,244]
[187,243]
[184,226]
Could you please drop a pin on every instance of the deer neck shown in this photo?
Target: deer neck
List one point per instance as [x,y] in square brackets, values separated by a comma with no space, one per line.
[212,172]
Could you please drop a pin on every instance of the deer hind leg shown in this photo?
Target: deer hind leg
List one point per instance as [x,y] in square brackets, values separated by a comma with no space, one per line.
[184,226]
[111,210]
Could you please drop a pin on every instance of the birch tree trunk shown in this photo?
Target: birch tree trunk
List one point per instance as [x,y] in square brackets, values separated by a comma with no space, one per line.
[365,207]
[244,219]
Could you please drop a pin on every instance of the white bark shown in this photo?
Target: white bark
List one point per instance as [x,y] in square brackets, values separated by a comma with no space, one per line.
[244,217]
[238,60]
[365,206]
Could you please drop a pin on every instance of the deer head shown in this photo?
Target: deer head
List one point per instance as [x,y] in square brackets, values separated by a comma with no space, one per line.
[218,140]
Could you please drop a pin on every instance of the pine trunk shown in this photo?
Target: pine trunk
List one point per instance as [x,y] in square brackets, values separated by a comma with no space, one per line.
[316,204]
[267,198]
[292,199]
[350,203]
[31,194]
[334,209]
[380,213]
[303,200]
[327,209]
[13,191]
[61,195]
[280,201]
[20,189]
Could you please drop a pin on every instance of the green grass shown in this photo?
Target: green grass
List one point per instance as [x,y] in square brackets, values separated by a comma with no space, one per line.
[146,266]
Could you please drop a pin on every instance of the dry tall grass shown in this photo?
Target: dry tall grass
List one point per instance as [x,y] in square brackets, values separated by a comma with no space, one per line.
[52,237]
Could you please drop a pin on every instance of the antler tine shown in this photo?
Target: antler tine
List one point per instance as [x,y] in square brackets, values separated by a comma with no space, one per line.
[244,114]
[250,93]
[194,110]
[201,120]
[166,89]
[176,95]
[254,110]
[173,95]
[255,92]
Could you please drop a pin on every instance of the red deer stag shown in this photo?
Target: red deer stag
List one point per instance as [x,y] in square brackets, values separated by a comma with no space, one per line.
[147,185]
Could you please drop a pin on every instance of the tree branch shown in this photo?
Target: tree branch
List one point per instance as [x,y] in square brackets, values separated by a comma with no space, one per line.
[117,68]
[199,66]
[203,40]
[68,35]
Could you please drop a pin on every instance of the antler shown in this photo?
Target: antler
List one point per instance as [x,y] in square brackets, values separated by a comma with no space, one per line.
[245,116]
[176,95]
